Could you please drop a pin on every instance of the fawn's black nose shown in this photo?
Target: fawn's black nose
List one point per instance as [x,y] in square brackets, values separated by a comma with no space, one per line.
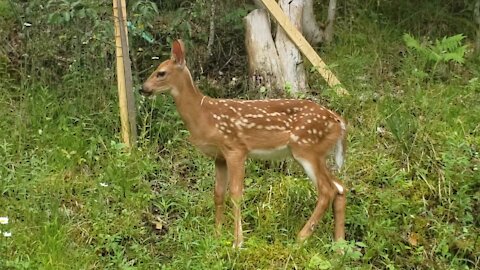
[143,91]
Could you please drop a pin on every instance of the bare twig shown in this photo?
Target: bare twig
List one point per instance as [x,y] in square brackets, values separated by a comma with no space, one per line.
[332,7]
[476,17]
[311,29]
[212,30]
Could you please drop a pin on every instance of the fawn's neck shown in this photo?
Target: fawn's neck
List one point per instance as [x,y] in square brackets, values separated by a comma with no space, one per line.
[188,101]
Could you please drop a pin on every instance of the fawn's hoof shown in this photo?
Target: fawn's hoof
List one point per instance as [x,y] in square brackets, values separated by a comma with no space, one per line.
[303,235]
[237,245]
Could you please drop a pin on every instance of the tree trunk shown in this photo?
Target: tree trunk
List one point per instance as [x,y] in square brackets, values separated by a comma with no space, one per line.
[263,61]
[312,30]
[290,57]
[279,65]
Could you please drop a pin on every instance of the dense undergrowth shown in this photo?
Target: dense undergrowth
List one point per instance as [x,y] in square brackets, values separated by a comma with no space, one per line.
[76,199]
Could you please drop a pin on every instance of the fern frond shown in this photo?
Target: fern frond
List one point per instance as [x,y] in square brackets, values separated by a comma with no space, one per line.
[449,44]
[456,56]
[411,42]
[444,50]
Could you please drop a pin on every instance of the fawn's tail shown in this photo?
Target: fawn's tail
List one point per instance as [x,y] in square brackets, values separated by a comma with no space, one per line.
[341,147]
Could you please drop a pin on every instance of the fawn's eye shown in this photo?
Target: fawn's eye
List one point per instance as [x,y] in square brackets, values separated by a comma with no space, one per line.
[161,74]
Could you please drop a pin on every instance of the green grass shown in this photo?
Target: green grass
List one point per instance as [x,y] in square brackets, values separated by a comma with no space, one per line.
[76,199]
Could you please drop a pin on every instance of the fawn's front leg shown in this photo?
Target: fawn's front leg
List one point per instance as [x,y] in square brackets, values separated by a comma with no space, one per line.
[236,173]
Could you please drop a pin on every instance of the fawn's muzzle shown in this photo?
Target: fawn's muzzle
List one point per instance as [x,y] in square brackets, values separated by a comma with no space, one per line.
[144,91]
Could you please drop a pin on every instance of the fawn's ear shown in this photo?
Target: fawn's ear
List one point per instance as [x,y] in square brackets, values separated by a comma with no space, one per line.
[178,53]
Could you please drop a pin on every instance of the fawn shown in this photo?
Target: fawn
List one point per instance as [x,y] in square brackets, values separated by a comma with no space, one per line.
[230,130]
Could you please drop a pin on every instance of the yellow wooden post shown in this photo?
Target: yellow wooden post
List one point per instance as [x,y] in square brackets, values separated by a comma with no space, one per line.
[304,46]
[124,75]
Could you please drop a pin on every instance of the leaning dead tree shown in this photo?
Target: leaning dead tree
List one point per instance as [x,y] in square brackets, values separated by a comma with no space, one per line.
[274,61]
